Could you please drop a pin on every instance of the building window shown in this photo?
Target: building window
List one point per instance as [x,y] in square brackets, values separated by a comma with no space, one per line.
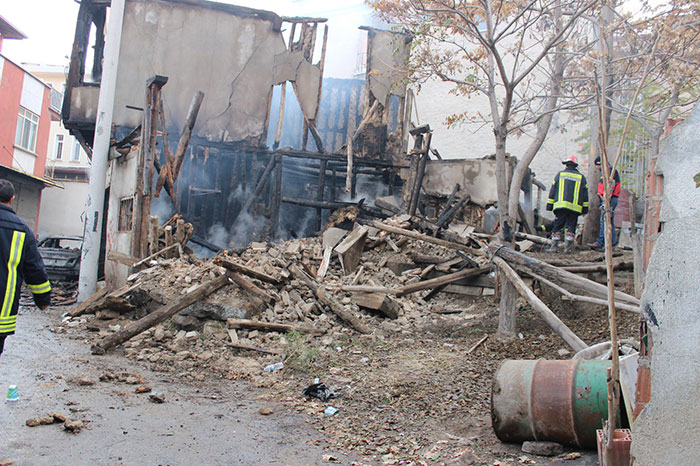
[58,147]
[27,127]
[126,213]
[75,155]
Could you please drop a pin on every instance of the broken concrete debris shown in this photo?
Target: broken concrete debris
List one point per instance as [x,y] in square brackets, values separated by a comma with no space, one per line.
[261,287]
[278,309]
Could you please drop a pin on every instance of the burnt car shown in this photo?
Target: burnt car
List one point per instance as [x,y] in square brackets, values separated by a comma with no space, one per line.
[61,255]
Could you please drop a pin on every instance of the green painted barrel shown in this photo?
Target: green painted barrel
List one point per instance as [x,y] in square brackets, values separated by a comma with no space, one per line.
[558,401]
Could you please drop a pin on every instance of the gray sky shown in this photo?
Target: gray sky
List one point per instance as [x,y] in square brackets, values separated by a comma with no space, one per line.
[51,32]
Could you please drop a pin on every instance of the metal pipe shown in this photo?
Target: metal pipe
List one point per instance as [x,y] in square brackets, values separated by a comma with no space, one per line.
[98,171]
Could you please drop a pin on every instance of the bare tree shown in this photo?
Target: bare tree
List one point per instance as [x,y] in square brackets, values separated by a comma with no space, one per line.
[512,52]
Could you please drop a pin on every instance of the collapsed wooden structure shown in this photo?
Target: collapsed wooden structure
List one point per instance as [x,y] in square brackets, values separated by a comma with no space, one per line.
[215,145]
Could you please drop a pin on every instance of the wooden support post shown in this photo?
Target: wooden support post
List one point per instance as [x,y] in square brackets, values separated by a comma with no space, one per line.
[321,192]
[280,117]
[276,197]
[153,235]
[180,231]
[144,175]
[131,330]
[165,174]
[415,196]
[187,132]
[547,315]
[333,185]
[169,240]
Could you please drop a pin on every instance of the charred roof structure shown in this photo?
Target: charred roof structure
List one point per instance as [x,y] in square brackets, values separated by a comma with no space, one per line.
[215,103]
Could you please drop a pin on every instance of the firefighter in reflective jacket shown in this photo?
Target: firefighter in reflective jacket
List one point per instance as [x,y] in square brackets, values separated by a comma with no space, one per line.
[568,198]
[20,261]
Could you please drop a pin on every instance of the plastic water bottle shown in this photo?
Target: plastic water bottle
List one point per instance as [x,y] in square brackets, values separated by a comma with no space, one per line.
[274,367]
[12,394]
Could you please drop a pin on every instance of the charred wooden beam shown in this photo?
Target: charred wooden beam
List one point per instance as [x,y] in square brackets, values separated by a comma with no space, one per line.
[558,274]
[328,301]
[155,317]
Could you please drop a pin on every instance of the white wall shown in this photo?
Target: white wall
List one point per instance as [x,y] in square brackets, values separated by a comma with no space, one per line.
[62,210]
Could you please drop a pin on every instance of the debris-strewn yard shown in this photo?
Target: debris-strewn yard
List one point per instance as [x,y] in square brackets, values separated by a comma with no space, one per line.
[413,389]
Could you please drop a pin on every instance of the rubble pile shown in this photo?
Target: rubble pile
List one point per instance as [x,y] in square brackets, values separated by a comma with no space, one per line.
[399,330]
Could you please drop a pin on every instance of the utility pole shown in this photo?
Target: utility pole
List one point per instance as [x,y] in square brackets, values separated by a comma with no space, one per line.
[94,207]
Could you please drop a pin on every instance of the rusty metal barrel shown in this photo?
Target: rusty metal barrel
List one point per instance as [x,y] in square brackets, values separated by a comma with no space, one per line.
[558,401]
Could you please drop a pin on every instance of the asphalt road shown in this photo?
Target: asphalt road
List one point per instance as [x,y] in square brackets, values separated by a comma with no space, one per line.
[213,423]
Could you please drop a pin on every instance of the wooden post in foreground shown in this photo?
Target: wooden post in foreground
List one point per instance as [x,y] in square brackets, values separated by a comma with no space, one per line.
[541,308]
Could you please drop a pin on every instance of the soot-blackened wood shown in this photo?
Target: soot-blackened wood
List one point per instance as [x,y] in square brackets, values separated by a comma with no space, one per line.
[321,192]
[155,317]
[83,307]
[276,198]
[443,280]
[187,132]
[236,267]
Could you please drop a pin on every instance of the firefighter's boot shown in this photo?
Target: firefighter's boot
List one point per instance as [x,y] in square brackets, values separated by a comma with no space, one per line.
[555,244]
[569,245]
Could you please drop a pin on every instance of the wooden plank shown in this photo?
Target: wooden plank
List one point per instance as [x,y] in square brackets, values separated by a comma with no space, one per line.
[325,262]
[272,327]
[81,308]
[350,249]
[444,280]
[567,296]
[541,308]
[145,260]
[155,317]
[378,302]
[121,258]
[425,238]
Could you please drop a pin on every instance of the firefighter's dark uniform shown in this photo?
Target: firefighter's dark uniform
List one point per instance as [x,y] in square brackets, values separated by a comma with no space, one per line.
[19,261]
[568,198]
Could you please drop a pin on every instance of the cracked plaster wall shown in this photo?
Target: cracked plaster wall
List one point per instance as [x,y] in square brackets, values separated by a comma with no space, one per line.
[228,57]
[667,431]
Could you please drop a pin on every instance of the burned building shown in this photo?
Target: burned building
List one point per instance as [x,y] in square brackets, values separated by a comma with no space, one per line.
[226,110]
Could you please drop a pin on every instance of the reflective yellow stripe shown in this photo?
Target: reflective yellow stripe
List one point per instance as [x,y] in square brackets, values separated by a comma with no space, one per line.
[15,256]
[560,195]
[567,205]
[41,288]
[8,324]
